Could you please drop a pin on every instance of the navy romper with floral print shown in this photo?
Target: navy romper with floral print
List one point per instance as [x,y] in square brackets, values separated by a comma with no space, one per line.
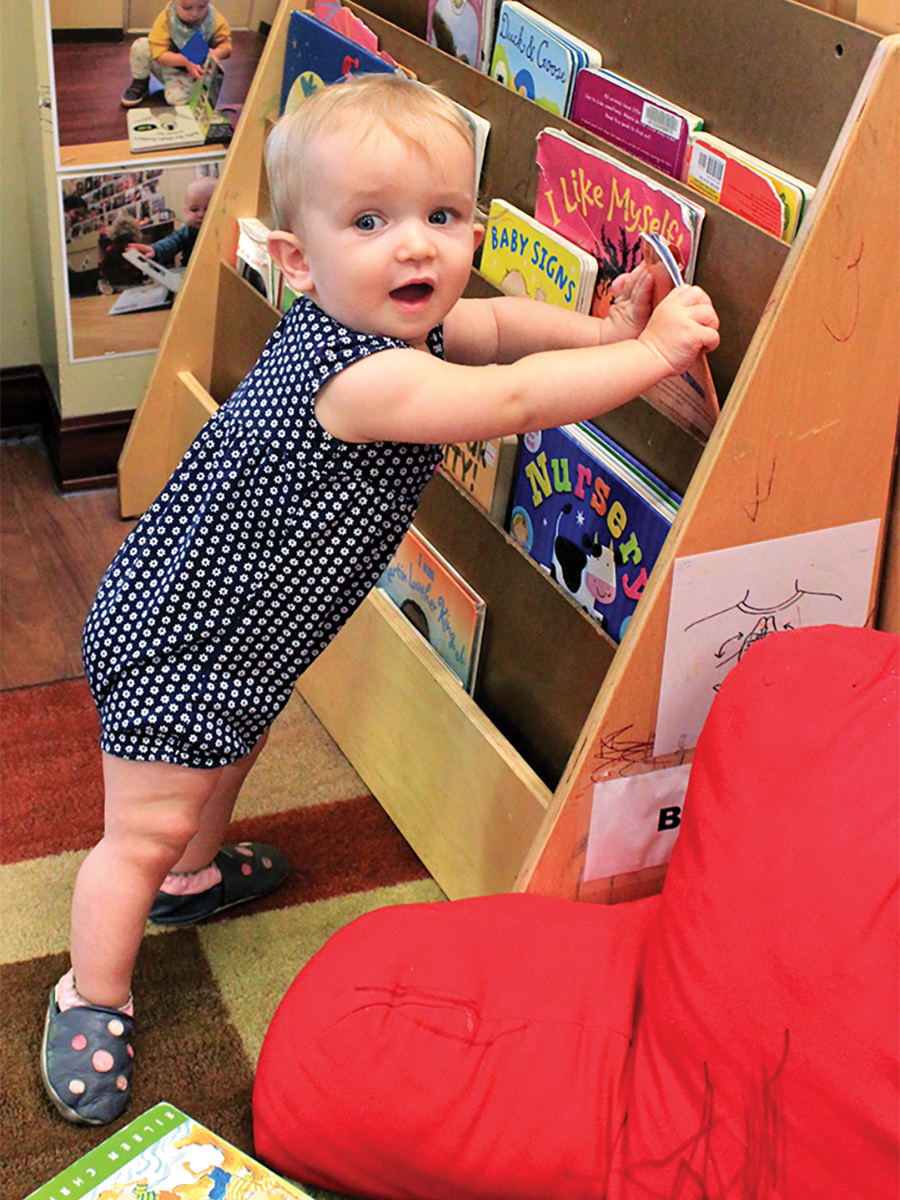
[262,544]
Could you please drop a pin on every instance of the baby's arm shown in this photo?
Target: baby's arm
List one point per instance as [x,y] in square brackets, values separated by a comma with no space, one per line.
[503,329]
[553,370]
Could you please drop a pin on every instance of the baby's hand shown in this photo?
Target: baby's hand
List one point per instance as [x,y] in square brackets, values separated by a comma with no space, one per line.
[682,325]
[632,294]
[141,248]
[193,69]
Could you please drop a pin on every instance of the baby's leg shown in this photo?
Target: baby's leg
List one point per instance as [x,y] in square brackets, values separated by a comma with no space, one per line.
[176,82]
[140,58]
[153,811]
[216,816]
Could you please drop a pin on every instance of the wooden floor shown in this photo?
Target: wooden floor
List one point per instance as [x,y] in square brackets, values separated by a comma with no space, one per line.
[53,552]
[91,77]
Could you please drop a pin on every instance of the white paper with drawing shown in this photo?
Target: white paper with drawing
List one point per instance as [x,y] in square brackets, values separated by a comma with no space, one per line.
[724,601]
[634,821]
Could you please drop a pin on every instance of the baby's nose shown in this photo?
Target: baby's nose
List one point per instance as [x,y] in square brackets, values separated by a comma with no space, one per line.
[416,240]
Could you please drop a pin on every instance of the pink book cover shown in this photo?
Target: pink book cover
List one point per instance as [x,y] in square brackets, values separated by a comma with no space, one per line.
[619,114]
[605,206]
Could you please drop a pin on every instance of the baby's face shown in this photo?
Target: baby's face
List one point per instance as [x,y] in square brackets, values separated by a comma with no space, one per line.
[192,12]
[195,205]
[389,235]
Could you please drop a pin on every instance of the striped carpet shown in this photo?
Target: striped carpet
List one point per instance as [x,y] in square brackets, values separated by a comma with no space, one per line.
[204,995]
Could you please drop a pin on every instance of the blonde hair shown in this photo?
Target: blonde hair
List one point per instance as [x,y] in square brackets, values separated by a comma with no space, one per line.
[410,110]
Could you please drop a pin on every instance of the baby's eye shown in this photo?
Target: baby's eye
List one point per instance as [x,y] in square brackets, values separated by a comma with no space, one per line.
[441,216]
[367,222]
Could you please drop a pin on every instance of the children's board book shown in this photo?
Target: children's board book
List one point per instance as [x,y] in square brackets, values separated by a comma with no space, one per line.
[435,598]
[756,191]
[637,121]
[688,399]
[538,59]
[165,1154]
[183,125]
[592,518]
[484,470]
[522,257]
[252,259]
[603,205]
[316,55]
[457,28]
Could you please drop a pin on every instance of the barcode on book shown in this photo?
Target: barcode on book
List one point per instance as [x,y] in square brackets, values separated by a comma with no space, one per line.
[661,120]
[707,168]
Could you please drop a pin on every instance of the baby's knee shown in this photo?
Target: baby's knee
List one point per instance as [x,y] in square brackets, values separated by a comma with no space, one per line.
[177,88]
[140,57]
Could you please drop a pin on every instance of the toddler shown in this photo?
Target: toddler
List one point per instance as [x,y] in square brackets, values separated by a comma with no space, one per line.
[159,53]
[292,501]
[197,196]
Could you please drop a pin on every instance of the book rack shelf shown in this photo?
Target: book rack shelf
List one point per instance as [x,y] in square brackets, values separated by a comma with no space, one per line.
[494,793]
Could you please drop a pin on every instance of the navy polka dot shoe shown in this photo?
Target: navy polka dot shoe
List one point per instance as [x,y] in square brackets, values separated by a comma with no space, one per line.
[249,871]
[86,1058]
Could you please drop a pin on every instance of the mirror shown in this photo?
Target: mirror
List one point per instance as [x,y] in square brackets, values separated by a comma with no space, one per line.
[93,44]
[128,237]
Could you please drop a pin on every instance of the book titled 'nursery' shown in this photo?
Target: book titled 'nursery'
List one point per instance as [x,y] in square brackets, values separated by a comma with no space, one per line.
[165,1153]
[592,517]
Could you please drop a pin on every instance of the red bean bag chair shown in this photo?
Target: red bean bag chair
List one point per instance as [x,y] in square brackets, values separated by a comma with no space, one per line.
[735,1039]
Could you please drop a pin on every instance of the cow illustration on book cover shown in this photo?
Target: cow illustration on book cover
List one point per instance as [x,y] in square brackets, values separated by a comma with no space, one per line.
[591,519]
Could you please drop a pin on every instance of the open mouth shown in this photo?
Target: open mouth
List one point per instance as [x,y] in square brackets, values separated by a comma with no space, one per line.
[412,293]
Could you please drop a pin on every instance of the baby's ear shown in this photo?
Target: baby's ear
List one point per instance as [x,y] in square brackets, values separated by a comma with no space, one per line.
[287,252]
[479,231]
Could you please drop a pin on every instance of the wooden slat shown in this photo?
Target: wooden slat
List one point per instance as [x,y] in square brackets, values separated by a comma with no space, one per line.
[457,791]
[193,408]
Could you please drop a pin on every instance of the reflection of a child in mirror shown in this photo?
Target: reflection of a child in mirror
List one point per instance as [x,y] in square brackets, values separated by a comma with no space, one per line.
[115,271]
[159,53]
[197,196]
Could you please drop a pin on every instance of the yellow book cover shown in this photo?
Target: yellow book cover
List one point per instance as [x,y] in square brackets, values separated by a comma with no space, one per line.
[523,258]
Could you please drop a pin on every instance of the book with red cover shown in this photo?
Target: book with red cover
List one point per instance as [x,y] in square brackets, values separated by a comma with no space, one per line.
[604,206]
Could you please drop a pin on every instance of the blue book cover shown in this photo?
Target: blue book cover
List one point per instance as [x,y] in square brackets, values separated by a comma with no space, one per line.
[531,60]
[316,55]
[590,520]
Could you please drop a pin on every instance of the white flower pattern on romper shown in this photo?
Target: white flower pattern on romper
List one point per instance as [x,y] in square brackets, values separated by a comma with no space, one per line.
[265,540]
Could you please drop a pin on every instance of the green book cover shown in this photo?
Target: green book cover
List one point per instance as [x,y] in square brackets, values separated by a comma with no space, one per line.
[158,1153]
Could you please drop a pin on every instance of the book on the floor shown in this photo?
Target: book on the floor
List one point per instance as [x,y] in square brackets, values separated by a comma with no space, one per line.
[689,399]
[181,125]
[316,54]
[755,190]
[538,59]
[485,471]
[522,257]
[592,517]
[438,602]
[635,120]
[603,205]
[165,1153]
